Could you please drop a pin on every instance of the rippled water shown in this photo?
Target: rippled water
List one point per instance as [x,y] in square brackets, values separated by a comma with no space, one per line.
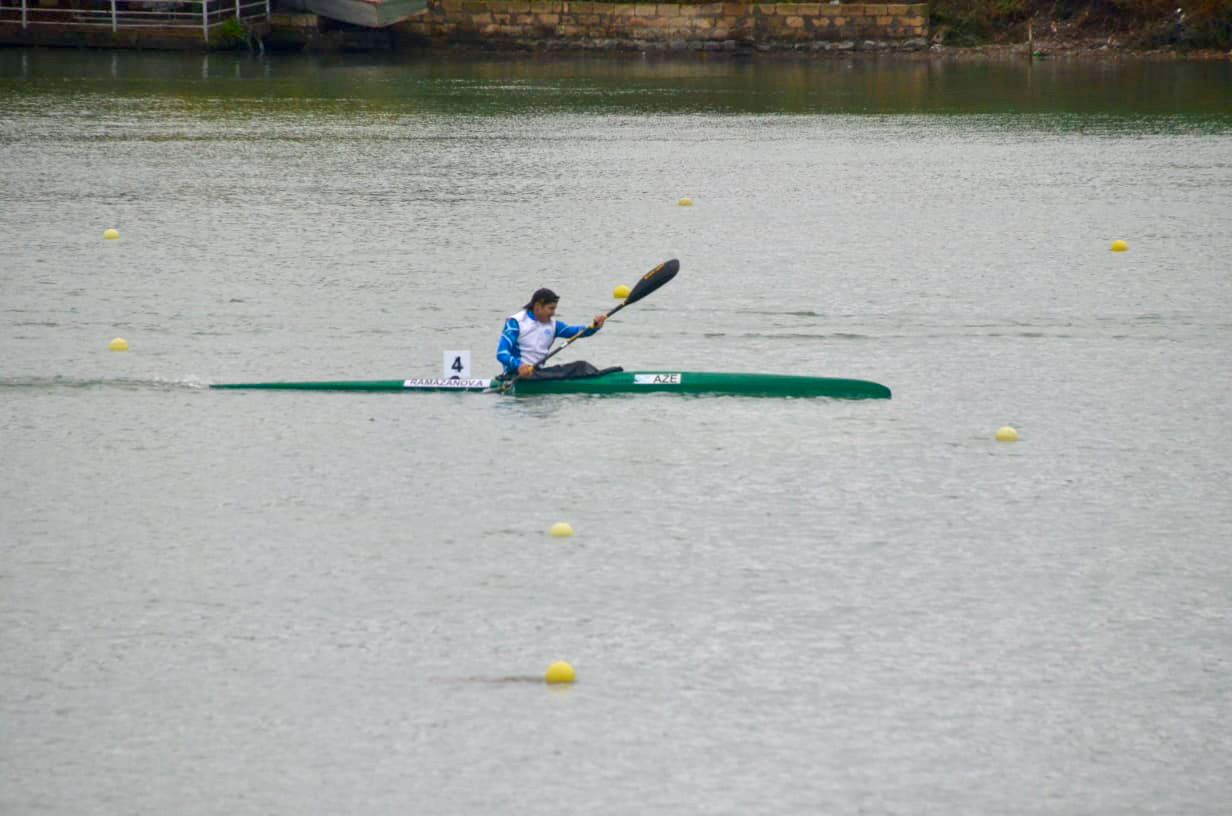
[252,602]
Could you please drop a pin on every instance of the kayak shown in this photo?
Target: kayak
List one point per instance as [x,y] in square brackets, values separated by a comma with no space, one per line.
[611,381]
[617,382]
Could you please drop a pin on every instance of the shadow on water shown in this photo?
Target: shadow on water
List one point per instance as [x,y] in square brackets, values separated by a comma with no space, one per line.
[1195,94]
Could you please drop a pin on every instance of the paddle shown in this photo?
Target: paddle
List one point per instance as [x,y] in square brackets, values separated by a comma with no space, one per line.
[649,282]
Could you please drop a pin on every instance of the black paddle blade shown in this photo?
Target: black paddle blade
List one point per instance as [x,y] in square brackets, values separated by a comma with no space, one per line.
[653,279]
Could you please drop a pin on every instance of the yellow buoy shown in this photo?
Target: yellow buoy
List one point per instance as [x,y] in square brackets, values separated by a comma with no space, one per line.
[1119,246]
[561,529]
[559,672]
[1007,434]
[111,234]
[620,292]
[118,344]
[685,202]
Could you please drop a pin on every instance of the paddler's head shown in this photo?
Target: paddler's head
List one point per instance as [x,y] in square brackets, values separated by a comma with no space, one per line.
[543,305]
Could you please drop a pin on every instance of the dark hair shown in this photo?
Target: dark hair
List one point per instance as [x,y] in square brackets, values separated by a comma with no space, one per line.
[542,296]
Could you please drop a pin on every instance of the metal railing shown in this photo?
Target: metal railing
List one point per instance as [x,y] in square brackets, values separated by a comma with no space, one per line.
[121,15]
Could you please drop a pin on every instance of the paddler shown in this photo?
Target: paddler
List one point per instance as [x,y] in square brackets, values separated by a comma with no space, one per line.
[529,335]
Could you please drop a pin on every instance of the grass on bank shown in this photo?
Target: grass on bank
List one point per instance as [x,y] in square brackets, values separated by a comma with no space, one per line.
[1139,23]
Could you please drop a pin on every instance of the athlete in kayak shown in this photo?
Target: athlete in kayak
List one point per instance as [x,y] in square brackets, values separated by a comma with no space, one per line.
[529,335]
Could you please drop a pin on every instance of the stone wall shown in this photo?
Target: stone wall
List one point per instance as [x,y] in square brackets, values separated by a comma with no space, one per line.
[706,26]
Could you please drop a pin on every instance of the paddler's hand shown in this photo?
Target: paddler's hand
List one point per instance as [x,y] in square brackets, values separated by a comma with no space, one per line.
[599,321]
[525,370]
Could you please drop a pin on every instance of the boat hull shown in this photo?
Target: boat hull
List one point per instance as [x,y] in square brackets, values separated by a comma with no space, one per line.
[706,382]
[417,384]
[621,382]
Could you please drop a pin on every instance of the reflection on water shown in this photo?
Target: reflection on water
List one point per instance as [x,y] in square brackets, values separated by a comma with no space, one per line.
[1200,92]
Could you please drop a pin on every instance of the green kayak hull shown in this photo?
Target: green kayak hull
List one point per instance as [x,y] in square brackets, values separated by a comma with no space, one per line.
[622,382]
[703,382]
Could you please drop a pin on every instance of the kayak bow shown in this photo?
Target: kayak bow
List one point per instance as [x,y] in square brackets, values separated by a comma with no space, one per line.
[620,382]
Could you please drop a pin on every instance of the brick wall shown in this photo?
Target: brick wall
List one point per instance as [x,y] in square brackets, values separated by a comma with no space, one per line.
[671,25]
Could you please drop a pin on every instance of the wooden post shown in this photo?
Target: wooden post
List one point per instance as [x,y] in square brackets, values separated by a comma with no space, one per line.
[23,16]
[113,16]
[205,20]
[237,9]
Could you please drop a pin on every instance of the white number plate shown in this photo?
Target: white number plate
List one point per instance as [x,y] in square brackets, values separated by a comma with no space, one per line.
[456,364]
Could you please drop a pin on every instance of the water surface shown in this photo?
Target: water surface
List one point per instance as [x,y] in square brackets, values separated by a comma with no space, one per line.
[253,602]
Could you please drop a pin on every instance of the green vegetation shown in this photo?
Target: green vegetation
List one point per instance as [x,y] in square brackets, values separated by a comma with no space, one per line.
[970,22]
[231,35]
[1139,23]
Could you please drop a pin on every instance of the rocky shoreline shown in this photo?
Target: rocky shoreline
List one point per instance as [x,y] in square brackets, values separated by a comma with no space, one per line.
[1101,48]
[916,49]
[1061,51]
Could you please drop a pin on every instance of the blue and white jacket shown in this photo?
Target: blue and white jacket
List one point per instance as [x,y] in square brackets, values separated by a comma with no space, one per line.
[526,340]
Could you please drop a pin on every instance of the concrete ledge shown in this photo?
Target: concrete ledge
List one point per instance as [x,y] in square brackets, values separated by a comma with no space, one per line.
[548,23]
[556,25]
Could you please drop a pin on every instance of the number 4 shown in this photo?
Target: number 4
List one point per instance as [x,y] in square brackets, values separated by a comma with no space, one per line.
[456,365]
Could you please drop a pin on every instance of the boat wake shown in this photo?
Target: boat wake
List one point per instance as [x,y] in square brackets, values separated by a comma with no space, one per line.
[189,383]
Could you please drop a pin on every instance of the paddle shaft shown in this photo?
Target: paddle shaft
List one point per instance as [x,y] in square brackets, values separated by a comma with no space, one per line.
[577,336]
